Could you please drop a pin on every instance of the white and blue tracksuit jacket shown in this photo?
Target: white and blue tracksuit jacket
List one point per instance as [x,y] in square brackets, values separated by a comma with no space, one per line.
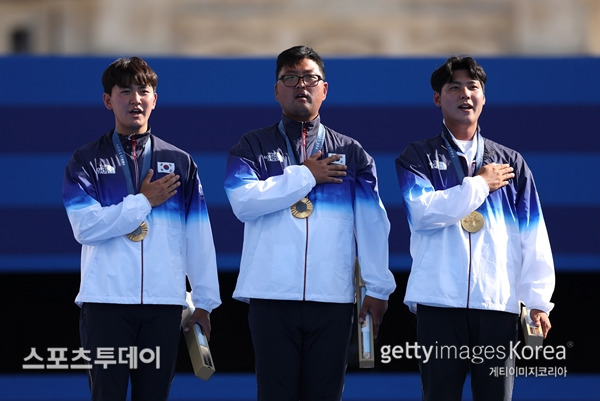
[312,259]
[507,262]
[179,243]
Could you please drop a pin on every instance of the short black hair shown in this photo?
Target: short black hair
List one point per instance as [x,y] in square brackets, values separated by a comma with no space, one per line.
[294,55]
[445,73]
[126,71]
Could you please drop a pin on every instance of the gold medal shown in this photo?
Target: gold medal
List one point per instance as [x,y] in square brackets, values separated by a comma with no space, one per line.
[473,222]
[302,209]
[139,233]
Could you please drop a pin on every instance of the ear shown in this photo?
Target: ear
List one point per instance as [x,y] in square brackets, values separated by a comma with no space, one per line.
[106,100]
[436,99]
[275,91]
[325,88]
[155,99]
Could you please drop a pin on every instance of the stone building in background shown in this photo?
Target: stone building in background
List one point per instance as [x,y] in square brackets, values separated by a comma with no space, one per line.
[333,27]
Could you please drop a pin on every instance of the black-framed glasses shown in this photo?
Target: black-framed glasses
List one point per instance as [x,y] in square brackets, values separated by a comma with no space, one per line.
[293,80]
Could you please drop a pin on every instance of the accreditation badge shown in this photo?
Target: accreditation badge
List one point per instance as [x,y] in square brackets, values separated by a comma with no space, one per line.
[302,209]
[139,233]
[473,222]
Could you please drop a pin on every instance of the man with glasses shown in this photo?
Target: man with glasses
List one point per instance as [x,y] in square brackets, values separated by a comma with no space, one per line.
[308,198]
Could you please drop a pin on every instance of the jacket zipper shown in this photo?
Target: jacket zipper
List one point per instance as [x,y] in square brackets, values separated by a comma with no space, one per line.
[469,275]
[135,164]
[306,242]
[142,272]
[305,260]
[470,172]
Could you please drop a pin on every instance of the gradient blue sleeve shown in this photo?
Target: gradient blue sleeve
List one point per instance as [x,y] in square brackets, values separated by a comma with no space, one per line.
[252,196]
[91,222]
[372,229]
[429,208]
[201,255]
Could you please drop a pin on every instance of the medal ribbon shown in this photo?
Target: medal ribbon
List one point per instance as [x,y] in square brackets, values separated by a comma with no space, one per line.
[318,142]
[454,156]
[123,161]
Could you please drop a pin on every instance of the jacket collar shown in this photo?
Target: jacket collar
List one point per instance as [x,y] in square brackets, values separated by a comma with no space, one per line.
[293,128]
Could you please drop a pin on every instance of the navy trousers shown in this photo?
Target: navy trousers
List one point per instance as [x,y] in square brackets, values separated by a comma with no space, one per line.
[130,342]
[466,341]
[301,348]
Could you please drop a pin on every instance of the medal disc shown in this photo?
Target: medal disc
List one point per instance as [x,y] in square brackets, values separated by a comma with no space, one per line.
[302,209]
[139,233]
[473,222]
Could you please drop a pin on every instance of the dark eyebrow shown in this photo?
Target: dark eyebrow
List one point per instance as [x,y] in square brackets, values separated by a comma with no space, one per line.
[469,82]
[302,72]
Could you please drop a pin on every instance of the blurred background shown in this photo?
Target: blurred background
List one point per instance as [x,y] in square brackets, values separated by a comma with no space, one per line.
[265,27]
[216,62]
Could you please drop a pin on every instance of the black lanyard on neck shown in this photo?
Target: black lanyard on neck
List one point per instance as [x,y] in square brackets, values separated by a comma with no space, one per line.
[318,142]
[123,161]
[454,156]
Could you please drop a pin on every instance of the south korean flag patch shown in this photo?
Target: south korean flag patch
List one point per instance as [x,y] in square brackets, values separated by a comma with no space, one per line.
[165,167]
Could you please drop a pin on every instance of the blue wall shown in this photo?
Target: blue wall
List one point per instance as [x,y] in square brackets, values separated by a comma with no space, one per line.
[543,107]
